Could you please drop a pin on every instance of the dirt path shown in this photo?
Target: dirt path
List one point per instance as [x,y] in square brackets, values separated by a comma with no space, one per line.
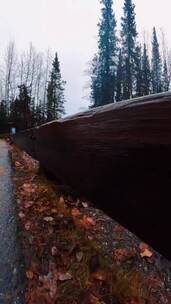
[9,249]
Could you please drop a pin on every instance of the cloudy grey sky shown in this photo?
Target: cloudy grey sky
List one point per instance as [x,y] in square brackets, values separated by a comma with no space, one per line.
[70,27]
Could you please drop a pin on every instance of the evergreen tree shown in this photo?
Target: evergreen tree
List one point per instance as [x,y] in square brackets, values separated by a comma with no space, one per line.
[156,65]
[3,116]
[128,39]
[102,88]
[138,72]
[165,77]
[55,92]
[95,82]
[119,77]
[126,80]
[146,73]
[20,112]
[38,115]
[15,114]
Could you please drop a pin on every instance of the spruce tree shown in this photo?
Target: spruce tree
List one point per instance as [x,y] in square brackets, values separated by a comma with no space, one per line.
[128,39]
[165,77]
[38,115]
[119,77]
[146,72]
[126,80]
[156,65]
[138,72]
[95,87]
[20,112]
[3,116]
[55,92]
[104,77]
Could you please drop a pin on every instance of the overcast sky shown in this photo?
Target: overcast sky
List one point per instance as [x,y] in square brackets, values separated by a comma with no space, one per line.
[70,27]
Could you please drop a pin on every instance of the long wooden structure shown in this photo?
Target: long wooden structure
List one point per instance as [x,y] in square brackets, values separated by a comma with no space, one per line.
[118,156]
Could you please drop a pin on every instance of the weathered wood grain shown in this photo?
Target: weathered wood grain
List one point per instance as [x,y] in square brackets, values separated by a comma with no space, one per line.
[119,156]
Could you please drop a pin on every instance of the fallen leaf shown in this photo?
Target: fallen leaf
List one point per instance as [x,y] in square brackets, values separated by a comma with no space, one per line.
[65,276]
[100,275]
[87,221]
[29,274]
[27,186]
[17,164]
[21,215]
[54,250]
[48,219]
[90,237]
[79,256]
[27,225]
[85,205]
[61,200]
[28,204]
[145,251]
[75,212]
[123,254]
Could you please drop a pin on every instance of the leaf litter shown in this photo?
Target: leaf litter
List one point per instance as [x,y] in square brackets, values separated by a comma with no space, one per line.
[75,253]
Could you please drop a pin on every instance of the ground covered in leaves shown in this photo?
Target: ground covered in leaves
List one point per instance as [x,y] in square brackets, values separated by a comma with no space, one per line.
[75,254]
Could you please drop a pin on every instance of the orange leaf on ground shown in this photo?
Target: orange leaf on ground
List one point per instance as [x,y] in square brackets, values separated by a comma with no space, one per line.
[87,222]
[29,274]
[100,275]
[145,251]
[75,212]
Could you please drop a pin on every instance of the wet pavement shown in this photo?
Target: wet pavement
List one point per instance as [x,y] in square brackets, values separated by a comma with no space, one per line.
[10,266]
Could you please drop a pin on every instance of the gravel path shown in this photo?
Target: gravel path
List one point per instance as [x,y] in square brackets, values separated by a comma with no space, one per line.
[10,271]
